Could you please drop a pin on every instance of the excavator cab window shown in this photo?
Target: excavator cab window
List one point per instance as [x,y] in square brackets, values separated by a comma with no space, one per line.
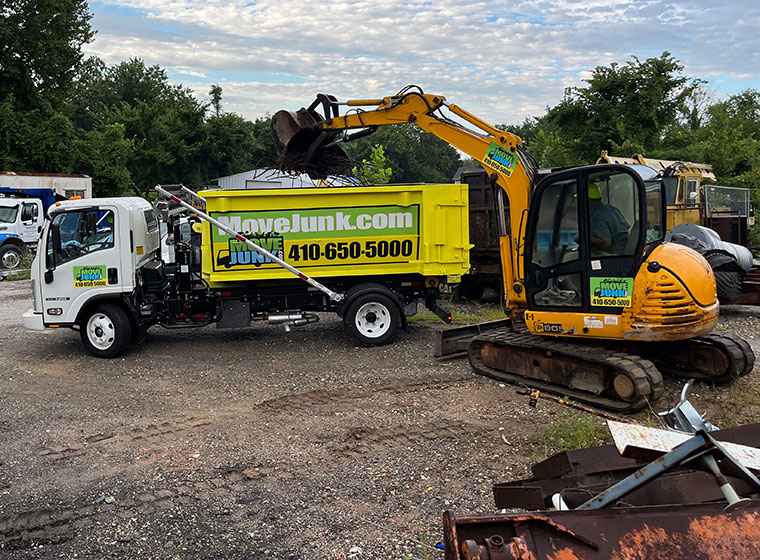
[586,225]
[556,242]
[613,214]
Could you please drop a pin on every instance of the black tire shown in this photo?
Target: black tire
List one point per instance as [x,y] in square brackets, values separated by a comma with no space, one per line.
[115,331]
[10,256]
[379,319]
[729,285]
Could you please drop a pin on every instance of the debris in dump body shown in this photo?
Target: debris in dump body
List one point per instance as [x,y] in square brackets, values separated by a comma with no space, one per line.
[687,503]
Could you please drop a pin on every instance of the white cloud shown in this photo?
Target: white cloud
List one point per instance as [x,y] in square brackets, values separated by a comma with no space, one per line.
[504,61]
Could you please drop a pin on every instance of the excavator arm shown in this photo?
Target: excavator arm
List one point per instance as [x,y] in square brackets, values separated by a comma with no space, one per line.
[309,142]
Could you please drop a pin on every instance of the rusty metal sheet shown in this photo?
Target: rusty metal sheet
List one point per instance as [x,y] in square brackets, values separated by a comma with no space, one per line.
[630,438]
[581,473]
[684,532]
[677,487]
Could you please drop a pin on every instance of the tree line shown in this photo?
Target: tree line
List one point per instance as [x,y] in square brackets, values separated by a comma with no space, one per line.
[129,127]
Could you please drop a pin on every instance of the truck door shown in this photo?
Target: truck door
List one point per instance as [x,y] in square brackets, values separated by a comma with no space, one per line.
[585,238]
[30,218]
[82,261]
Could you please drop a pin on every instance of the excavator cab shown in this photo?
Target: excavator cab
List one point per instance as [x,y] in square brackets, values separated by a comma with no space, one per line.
[587,224]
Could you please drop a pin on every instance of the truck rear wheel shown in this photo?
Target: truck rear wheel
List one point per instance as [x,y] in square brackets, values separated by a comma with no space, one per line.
[10,256]
[373,319]
[106,331]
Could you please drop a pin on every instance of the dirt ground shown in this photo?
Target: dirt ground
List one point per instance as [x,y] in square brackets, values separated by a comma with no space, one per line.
[260,443]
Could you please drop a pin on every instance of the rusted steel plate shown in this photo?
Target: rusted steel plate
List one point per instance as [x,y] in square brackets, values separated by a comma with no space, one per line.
[671,488]
[453,342]
[684,532]
[632,438]
[581,473]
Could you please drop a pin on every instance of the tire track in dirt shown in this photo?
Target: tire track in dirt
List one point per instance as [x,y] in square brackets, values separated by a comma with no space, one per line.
[322,397]
[361,441]
[54,526]
[164,433]
[152,433]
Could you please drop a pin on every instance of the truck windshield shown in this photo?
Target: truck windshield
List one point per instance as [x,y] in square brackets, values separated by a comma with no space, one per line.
[8,214]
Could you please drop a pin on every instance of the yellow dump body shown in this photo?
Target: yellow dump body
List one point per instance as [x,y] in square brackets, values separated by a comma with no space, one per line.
[338,232]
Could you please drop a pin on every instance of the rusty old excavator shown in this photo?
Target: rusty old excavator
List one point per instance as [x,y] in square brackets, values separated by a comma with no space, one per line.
[600,305]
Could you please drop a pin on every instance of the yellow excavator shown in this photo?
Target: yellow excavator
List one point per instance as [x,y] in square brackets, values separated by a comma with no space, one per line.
[600,304]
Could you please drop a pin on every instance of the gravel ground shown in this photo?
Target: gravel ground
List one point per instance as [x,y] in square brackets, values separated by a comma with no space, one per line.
[259,443]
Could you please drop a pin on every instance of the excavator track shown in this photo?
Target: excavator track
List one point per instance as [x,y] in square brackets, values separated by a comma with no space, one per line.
[597,375]
[715,358]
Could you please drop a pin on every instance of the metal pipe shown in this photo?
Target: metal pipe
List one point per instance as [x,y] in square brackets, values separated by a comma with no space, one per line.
[322,288]
[725,486]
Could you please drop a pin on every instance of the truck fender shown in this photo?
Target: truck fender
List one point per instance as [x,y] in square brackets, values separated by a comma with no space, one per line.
[117,299]
[12,239]
[370,287]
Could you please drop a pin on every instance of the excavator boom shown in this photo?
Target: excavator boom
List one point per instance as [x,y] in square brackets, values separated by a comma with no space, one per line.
[309,142]
[600,304]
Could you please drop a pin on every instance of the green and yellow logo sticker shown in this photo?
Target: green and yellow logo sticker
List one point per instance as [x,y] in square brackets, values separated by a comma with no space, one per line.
[500,159]
[90,276]
[318,236]
[611,291]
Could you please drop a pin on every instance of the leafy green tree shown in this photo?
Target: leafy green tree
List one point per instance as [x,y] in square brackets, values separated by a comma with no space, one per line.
[103,154]
[230,145]
[414,155]
[264,154]
[376,170]
[623,108]
[216,99]
[41,49]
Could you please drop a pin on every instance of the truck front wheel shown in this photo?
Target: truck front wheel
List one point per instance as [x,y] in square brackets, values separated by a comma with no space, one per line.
[373,319]
[106,331]
[10,256]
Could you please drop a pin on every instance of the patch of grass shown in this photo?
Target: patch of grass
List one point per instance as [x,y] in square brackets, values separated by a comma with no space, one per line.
[462,314]
[570,430]
[730,406]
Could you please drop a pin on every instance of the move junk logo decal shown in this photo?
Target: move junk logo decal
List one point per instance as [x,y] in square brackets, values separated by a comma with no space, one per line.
[611,291]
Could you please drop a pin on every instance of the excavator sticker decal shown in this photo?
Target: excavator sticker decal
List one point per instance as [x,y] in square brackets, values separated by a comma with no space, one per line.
[500,159]
[611,292]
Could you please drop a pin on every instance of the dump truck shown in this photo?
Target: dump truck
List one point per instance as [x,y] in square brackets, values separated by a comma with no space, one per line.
[113,267]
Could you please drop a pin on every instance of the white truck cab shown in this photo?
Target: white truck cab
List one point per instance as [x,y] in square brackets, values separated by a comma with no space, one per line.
[87,260]
[21,221]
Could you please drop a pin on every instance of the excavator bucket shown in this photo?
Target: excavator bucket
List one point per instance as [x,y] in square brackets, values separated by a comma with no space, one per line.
[304,147]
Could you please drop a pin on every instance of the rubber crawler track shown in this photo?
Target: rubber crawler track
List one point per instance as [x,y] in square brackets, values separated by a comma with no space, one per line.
[738,354]
[646,378]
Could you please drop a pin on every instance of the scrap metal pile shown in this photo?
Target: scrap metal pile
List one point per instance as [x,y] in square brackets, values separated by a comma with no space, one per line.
[698,498]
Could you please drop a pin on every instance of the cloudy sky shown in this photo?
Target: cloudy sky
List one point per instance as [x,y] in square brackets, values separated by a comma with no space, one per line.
[503,60]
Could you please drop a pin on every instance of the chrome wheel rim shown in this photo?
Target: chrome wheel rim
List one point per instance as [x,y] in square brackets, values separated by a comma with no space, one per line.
[11,259]
[373,320]
[100,331]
